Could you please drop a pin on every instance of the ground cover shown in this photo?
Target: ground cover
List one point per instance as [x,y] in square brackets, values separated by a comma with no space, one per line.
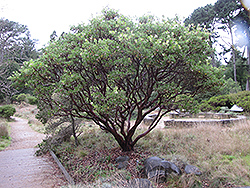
[5,139]
[222,154]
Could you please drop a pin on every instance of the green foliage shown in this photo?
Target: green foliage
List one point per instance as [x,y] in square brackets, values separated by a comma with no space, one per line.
[115,67]
[6,111]
[242,99]
[215,103]
[241,69]
[230,87]
[31,99]
[21,97]
[25,98]
[16,47]
[203,16]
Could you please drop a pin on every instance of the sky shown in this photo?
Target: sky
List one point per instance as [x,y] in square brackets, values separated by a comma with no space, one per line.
[44,16]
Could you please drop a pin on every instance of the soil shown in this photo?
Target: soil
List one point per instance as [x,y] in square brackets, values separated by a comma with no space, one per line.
[20,167]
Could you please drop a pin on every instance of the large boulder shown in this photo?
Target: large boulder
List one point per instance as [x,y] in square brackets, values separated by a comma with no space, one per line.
[157,169]
[122,162]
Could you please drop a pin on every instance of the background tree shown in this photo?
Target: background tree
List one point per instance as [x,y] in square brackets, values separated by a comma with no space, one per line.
[225,13]
[53,36]
[15,48]
[205,17]
[114,68]
[240,65]
[243,34]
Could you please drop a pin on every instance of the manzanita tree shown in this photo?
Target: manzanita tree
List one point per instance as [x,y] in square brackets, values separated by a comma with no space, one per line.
[115,68]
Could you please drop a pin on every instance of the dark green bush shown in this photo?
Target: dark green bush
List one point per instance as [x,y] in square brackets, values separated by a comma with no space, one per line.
[205,107]
[32,100]
[21,97]
[6,111]
[241,99]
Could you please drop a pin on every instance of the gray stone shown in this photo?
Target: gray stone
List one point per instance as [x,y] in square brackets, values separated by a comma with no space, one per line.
[171,167]
[190,169]
[153,163]
[157,169]
[122,162]
[140,183]
[122,165]
[122,159]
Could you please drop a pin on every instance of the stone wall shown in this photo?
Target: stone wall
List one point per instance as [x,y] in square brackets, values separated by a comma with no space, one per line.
[194,122]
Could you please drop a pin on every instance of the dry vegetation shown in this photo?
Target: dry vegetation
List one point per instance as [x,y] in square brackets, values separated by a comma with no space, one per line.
[222,153]
[4,134]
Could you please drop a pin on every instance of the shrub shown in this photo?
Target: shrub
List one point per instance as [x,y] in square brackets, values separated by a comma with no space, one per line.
[241,99]
[6,111]
[205,107]
[21,97]
[32,100]
[3,131]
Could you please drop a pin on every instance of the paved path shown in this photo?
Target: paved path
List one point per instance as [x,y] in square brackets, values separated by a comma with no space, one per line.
[20,168]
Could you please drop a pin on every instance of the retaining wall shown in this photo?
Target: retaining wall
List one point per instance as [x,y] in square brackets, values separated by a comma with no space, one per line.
[194,122]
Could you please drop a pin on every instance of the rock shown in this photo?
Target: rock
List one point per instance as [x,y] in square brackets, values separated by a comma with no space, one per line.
[190,169]
[140,183]
[154,169]
[152,164]
[122,162]
[122,159]
[122,165]
[157,169]
[171,167]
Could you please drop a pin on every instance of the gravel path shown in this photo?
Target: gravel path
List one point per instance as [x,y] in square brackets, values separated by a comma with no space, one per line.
[20,168]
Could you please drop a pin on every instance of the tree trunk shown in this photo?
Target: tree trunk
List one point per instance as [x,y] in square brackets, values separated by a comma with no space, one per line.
[248,62]
[74,131]
[126,144]
[233,51]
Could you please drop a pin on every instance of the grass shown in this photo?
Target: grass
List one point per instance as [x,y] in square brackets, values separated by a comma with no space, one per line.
[221,153]
[5,139]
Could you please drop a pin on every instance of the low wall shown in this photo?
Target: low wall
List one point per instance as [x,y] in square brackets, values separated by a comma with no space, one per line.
[205,115]
[194,122]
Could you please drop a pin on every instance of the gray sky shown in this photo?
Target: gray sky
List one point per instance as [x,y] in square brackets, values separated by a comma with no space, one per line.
[44,16]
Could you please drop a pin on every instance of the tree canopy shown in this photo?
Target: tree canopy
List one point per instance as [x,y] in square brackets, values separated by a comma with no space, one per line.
[15,48]
[115,69]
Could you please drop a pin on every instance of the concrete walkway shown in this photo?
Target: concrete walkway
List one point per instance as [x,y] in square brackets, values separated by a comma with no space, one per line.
[20,168]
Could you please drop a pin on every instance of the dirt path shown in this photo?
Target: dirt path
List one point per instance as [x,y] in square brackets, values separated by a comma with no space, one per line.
[19,167]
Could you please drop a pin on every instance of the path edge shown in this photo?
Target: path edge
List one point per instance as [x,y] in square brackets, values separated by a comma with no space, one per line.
[66,174]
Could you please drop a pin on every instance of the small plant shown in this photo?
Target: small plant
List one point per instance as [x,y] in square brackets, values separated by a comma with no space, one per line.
[4,131]
[32,100]
[21,97]
[6,111]
[4,135]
